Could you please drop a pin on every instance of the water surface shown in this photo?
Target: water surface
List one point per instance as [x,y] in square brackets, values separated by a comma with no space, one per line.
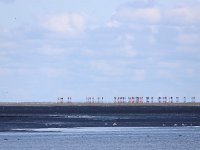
[108,138]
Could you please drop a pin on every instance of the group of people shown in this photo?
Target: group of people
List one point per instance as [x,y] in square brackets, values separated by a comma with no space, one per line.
[150,99]
[62,100]
[132,99]
[94,99]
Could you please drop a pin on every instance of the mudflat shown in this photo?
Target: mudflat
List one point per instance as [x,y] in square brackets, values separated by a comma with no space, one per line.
[28,116]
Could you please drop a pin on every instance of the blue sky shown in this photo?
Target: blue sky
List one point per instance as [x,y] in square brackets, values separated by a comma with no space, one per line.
[76,48]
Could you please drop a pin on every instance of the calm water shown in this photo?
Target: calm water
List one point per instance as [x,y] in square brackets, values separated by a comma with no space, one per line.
[113,138]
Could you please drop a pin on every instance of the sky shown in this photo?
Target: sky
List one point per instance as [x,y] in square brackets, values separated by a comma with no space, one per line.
[76,48]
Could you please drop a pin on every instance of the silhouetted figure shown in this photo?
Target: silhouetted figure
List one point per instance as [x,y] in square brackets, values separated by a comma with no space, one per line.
[147,99]
[193,99]
[184,99]
[151,99]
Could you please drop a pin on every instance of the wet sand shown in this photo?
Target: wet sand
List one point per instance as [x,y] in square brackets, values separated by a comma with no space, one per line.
[22,117]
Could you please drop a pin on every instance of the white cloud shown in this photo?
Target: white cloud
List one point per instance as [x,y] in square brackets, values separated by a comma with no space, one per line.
[170,65]
[120,69]
[188,38]
[7,48]
[49,50]
[16,69]
[127,49]
[113,24]
[154,29]
[4,71]
[152,40]
[187,49]
[24,71]
[106,68]
[129,37]
[190,72]
[138,74]
[7,1]
[51,72]
[3,30]
[164,73]
[183,14]
[67,24]
[7,45]
[89,52]
[139,15]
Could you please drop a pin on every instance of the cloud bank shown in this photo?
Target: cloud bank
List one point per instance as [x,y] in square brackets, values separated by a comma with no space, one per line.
[68,24]
[143,48]
[7,1]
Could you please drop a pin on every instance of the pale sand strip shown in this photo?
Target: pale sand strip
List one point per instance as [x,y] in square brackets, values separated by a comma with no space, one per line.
[94,104]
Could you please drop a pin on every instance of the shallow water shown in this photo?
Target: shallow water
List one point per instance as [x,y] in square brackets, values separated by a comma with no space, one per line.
[108,138]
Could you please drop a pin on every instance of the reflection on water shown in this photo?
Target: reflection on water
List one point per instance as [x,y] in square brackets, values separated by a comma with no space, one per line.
[98,138]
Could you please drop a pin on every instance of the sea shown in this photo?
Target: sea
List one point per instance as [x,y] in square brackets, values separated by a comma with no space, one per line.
[103,138]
